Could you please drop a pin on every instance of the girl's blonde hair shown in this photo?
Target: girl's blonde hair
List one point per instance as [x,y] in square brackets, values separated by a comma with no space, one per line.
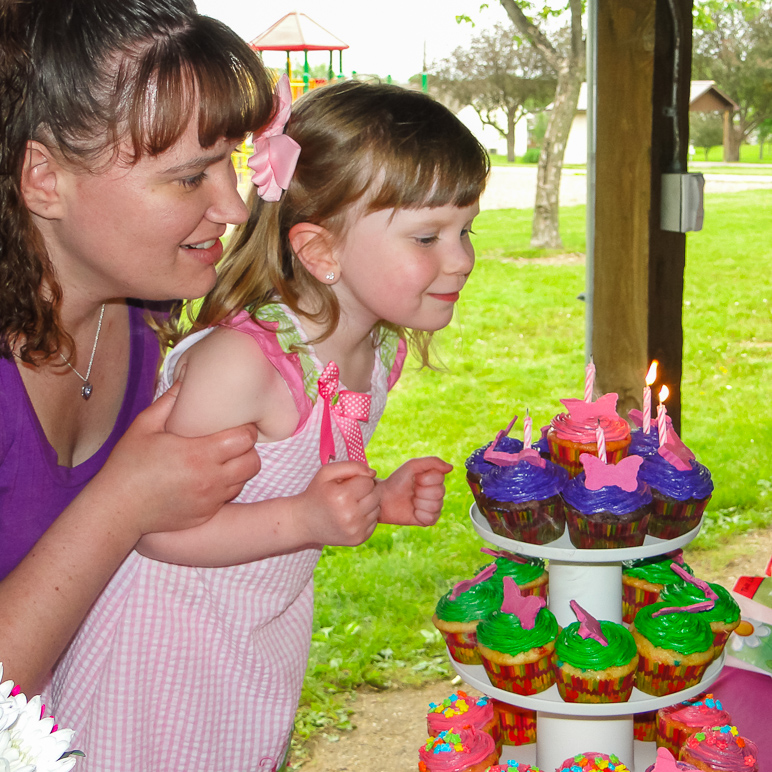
[374,145]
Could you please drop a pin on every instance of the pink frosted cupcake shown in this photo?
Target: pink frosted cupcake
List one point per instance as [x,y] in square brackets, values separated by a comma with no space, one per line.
[461,711]
[677,723]
[574,433]
[721,748]
[462,750]
[590,761]
[517,643]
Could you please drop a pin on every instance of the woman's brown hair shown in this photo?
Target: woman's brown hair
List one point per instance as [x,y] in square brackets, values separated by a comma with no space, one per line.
[85,77]
[374,145]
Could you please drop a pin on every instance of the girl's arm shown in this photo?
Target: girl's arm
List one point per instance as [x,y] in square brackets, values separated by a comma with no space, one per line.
[229,381]
[151,480]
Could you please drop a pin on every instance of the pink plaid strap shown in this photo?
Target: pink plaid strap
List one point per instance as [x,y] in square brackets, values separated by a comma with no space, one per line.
[347,408]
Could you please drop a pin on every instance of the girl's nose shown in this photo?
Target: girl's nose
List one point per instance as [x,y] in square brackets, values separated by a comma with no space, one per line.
[462,258]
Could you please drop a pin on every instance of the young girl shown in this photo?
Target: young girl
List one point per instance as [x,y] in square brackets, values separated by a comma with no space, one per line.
[183,668]
[118,120]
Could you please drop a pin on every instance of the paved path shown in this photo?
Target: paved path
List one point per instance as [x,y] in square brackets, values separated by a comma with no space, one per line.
[514,187]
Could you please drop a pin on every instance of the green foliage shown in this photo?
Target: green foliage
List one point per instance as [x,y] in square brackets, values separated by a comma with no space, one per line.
[517,343]
[531,155]
[706,130]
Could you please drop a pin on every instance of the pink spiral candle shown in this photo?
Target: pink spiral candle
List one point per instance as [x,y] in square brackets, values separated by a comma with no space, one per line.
[651,376]
[527,430]
[589,380]
[662,416]
[600,439]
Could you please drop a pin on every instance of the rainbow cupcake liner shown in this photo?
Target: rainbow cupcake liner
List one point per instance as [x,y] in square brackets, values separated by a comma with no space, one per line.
[462,647]
[531,678]
[671,736]
[645,726]
[670,518]
[634,599]
[538,590]
[586,533]
[517,725]
[658,679]
[574,688]
[474,484]
[540,524]
[567,456]
[720,638]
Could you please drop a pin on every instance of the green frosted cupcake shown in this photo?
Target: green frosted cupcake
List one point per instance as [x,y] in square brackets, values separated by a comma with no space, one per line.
[529,573]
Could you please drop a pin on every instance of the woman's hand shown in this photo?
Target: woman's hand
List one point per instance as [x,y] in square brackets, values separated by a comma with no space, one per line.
[413,493]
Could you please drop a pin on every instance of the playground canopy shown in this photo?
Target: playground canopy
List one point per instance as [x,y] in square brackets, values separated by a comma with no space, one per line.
[298,32]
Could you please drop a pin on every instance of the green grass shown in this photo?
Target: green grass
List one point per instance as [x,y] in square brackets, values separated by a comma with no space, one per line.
[518,342]
[749,154]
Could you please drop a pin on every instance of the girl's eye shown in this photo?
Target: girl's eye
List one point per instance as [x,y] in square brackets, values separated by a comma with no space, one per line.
[467,232]
[193,182]
[426,241]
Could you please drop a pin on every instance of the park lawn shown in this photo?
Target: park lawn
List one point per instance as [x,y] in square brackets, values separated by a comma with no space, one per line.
[517,343]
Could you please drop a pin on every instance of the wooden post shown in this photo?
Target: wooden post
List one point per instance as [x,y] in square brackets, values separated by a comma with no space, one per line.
[626,41]
[667,250]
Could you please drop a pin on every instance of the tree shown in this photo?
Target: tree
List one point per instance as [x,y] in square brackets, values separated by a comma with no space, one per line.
[736,52]
[706,130]
[568,65]
[496,73]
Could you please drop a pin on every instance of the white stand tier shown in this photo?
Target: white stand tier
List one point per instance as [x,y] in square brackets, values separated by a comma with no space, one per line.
[594,579]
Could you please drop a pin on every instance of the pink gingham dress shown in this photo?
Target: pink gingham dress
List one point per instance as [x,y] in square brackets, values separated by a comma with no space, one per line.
[181,668]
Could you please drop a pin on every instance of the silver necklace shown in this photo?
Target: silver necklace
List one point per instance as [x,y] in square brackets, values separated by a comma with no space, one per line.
[87,388]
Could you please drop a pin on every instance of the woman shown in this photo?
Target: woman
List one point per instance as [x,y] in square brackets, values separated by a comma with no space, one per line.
[119,120]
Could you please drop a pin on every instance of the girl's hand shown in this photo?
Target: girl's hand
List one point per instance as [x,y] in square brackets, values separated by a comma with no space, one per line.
[163,482]
[413,494]
[340,506]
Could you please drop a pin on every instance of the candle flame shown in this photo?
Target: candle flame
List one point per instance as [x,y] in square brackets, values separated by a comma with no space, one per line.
[651,376]
[663,393]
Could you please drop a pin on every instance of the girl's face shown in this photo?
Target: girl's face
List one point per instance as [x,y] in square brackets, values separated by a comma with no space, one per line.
[149,231]
[406,266]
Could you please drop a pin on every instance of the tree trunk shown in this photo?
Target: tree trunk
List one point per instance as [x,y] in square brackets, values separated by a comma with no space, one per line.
[546,228]
[732,146]
[511,111]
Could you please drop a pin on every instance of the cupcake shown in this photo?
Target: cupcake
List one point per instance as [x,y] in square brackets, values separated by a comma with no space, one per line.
[594,661]
[517,725]
[666,762]
[462,750]
[607,507]
[572,434]
[460,711]
[590,761]
[513,766]
[521,497]
[644,579]
[720,749]
[517,643]
[643,443]
[459,611]
[477,465]
[724,616]
[529,573]
[675,647]
[645,726]
[680,487]
[675,724]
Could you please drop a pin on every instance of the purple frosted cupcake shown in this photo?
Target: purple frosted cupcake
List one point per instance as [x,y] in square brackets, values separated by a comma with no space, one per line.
[680,486]
[521,498]
[607,507]
[642,444]
[477,466]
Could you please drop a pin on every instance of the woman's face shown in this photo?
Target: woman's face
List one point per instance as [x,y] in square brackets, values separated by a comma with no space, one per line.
[149,231]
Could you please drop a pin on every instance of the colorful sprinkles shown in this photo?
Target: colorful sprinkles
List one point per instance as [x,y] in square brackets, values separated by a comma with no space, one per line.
[456,705]
[584,762]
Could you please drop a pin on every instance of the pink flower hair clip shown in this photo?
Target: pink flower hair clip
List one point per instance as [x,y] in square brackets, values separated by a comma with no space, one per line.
[276,154]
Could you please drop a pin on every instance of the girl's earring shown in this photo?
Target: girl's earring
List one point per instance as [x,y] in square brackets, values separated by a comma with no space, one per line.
[330,276]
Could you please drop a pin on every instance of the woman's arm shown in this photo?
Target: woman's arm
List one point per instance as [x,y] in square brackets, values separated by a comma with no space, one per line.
[152,480]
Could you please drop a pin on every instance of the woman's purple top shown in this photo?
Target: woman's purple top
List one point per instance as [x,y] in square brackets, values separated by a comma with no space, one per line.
[34,489]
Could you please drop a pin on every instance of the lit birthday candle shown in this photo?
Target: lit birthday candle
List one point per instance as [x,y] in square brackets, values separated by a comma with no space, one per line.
[662,415]
[651,376]
[589,380]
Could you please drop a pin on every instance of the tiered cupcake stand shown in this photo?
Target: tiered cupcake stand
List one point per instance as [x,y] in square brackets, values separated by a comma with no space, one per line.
[594,579]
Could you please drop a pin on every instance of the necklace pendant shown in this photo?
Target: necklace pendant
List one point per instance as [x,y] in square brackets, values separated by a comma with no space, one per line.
[86,390]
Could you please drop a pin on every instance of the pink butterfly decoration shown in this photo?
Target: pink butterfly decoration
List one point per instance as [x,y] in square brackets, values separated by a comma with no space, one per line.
[636,416]
[467,584]
[590,412]
[623,474]
[675,452]
[524,607]
[503,554]
[500,458]
[589,627]
[694,608]
[687,577]
[665,761]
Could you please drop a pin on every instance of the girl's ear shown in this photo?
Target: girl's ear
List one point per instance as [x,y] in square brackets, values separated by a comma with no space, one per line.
[40,182]
[314,247]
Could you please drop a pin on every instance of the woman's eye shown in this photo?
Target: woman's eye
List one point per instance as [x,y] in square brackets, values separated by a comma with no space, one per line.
[193,182]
